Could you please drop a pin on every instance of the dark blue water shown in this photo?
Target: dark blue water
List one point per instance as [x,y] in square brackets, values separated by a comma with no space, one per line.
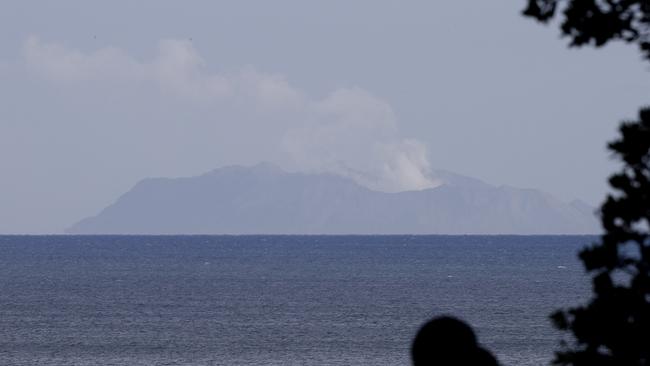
[276,300]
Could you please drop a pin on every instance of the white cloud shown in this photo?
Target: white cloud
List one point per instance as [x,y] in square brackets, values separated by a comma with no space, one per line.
[63,64]
[178,68]
[355,134]
[269,90]
[350,132]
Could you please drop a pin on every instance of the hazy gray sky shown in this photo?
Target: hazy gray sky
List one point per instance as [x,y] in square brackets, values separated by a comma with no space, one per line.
[95,96]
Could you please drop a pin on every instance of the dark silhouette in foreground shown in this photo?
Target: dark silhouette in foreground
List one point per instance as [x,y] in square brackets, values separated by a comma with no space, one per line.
[613,328]
[597,22]
[446,341]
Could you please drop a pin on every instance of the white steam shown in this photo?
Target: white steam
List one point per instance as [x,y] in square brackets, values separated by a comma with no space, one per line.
[349,132]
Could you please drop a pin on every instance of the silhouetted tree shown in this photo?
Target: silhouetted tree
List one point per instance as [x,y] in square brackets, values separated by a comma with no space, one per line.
[614,327]
[596,22]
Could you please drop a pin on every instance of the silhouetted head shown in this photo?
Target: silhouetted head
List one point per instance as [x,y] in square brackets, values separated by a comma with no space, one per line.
[448,341]
[483,357]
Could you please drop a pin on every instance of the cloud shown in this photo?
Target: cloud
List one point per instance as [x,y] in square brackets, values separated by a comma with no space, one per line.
[355,134]
[63,64]
[350,132]
[176,68]
[179,68]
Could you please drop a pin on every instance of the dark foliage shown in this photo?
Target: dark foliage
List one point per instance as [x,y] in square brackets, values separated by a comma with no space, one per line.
[596,22]
[614,327]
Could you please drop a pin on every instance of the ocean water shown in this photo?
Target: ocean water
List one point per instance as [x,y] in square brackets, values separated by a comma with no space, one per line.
[277,300]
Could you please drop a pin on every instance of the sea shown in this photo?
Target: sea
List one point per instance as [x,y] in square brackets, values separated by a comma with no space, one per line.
[278,300]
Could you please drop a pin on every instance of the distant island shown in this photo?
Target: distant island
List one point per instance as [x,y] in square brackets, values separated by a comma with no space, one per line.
[265,199]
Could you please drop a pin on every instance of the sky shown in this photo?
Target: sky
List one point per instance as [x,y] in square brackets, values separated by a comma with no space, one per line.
[95,96]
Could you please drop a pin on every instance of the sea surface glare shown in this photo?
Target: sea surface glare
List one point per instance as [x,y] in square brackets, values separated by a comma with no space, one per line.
[277,300]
